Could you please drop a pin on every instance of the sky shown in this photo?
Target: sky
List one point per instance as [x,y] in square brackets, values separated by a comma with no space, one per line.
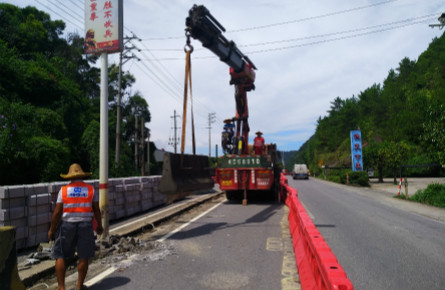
[307,54]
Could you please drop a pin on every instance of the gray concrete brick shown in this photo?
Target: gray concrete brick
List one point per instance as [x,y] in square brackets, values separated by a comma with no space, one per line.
[12,202]
[39,199]
[39,219]
[35,189]
[13,213]
[13,191]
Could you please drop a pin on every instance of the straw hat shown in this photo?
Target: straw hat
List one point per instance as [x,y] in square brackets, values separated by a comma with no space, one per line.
[75,172]
[259,133]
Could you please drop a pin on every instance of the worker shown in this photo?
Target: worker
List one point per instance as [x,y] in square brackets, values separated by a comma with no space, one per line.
[71,224]
[227,136]
[258,143]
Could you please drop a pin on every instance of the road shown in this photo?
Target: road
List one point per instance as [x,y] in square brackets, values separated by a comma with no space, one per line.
[380,243]
[227,246]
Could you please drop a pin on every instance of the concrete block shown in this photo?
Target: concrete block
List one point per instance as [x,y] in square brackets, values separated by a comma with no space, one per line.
[130,180]
[44,208]
[120,213]
[39,199]
[132,198]
[35,240]
[34,189]
[20,222]
[39,219]
[54,187]
[119,201]
[21,233]
[13,213]
[13,191]
[146,204]
[132,210]
[12,202]
[146,195]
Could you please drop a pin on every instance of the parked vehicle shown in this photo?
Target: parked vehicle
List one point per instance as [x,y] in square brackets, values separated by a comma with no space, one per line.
[300,171]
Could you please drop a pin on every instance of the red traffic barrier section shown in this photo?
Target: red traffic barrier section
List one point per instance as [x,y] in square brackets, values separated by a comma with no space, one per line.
[318,267]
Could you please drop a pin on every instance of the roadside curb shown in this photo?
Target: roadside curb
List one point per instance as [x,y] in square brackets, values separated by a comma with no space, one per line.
[124,228]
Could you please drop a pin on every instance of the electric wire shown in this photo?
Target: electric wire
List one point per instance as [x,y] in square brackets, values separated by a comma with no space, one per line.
[312,17]
[71,10]
[55,12]
[284,22]
[316,36]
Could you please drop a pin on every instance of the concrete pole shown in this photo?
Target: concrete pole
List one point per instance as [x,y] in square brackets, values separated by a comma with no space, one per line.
[142,147]
[136,153]
[175,128]
[118,117]
[103,148]
[148,152]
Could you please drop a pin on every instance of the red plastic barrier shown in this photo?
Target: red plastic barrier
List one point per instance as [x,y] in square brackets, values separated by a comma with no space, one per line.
[317,265]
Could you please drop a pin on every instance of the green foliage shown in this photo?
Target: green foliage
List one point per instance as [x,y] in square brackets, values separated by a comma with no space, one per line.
[49,102]
[401,121]
[341,176]
[434,195]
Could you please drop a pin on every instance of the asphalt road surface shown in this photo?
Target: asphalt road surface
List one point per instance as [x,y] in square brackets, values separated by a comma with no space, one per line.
[379,244]
[230,246]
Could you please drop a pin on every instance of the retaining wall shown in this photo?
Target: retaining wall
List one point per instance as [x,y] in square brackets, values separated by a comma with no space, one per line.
[29,207]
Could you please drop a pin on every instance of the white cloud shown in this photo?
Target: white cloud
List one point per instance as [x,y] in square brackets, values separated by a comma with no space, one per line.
[294,86]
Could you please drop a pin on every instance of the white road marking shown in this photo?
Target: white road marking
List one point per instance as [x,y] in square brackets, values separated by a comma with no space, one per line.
[192,220]
[143,218]
[100,277]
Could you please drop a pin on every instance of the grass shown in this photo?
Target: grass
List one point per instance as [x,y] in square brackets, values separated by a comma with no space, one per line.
[433,195]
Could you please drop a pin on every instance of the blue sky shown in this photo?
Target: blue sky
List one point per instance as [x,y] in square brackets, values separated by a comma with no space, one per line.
[307,54]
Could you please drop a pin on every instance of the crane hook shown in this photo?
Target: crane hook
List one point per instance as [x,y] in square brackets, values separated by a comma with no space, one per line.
[188,46]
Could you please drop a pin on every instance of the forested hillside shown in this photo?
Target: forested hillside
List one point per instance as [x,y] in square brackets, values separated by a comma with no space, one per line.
[402,120]
[49,102]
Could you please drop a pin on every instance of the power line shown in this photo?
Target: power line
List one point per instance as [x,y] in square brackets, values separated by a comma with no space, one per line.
[316,36]
[285,22]
[336,39]
[58,14]
[312,17]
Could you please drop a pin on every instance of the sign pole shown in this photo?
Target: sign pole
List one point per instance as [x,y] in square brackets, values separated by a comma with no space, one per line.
[103,150]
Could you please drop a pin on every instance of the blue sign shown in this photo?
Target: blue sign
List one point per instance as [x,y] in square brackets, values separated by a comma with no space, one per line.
[356,150]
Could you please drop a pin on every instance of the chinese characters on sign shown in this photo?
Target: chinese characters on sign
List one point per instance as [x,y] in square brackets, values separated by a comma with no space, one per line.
[356,150]
[103,26]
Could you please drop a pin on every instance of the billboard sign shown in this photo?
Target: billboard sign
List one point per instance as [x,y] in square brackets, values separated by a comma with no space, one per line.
[356,150]
[103,26]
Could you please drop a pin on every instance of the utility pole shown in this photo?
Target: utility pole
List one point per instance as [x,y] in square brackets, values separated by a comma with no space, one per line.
[148,152]
[142,147]
[136,153]
[122,55]
[175,140]
[441,20]
[212,117]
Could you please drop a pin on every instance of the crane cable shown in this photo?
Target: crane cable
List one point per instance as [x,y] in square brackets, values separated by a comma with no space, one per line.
[188,48]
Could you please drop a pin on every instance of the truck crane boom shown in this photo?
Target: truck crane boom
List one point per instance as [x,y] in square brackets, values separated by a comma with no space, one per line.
[201,25]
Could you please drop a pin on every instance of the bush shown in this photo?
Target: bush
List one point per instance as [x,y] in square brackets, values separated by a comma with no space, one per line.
[434,195]
[357,178]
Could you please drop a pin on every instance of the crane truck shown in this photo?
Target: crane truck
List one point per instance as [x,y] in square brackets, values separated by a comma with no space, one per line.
[239,171]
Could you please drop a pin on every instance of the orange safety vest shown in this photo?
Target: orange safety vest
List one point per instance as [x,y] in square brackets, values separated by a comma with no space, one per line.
[77,198]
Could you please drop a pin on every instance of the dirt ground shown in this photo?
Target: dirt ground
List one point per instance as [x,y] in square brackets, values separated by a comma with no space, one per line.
[414,184]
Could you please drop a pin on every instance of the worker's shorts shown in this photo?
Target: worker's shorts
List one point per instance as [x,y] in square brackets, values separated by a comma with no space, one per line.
[74,236]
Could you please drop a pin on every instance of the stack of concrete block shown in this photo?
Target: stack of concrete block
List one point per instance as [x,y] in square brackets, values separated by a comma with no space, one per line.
[29,207]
